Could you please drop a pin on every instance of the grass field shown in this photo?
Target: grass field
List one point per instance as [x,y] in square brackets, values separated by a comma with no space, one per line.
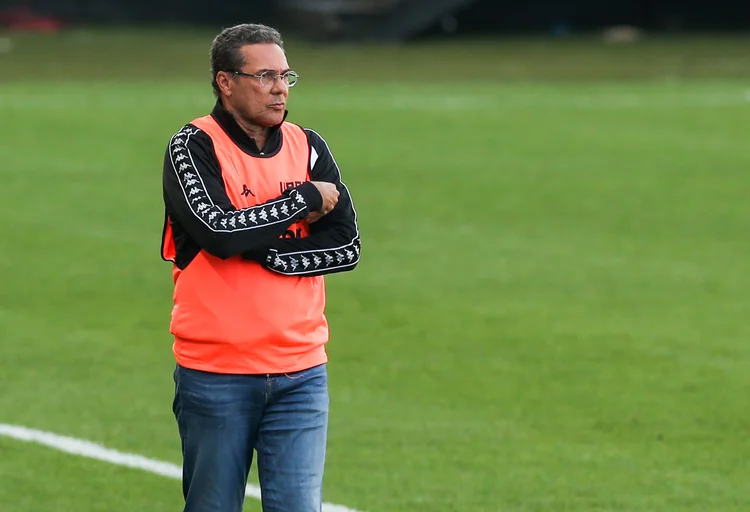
[551,312]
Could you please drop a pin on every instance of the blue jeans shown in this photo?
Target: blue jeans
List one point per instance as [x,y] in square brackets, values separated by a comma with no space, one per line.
[223,418]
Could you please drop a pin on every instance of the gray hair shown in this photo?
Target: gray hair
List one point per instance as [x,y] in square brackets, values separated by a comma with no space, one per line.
[225,49]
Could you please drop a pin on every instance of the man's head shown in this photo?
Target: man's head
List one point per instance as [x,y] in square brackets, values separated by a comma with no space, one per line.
[257,50]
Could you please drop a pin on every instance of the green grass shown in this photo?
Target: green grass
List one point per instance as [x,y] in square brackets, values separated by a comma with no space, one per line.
[551,309]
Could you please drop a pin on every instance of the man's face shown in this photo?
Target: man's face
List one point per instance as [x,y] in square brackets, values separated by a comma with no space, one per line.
[262,105]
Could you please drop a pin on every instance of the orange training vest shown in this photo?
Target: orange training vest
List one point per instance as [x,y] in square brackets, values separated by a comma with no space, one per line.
[234,316]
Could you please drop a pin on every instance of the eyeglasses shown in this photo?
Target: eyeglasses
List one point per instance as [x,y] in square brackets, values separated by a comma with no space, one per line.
[268,78]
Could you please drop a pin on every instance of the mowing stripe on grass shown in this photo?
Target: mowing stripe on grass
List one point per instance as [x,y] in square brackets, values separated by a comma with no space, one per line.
[501,97]
[98,452]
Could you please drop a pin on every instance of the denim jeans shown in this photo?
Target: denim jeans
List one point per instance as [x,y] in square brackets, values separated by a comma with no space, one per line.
[223,418]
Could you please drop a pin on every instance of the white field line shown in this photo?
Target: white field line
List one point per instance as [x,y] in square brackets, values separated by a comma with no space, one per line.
[95,451]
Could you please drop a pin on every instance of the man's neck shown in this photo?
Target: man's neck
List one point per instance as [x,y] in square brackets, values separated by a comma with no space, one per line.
[256,132]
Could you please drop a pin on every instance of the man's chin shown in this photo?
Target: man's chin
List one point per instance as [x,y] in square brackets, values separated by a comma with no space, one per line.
[272,119]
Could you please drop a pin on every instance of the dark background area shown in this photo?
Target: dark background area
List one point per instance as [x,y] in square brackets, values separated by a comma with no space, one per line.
[660,15]
[483,16]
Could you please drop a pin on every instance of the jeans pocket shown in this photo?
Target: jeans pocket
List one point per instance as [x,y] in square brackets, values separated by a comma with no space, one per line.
[310,373]
[205,392]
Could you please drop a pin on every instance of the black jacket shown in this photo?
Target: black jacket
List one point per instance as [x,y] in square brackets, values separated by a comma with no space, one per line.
[332,246]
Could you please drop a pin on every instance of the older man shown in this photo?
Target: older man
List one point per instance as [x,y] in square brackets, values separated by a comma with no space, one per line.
[256,215]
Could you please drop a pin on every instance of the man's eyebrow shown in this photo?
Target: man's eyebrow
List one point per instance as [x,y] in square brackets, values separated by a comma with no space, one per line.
[260,72]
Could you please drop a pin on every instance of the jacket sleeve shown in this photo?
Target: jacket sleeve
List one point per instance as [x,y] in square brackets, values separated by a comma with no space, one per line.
[196,198]
[333,244]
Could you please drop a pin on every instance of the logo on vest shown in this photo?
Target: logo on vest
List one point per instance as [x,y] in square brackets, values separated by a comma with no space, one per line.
[246,191]
[286,185]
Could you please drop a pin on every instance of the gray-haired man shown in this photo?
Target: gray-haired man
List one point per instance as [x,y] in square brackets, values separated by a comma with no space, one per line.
[257,215]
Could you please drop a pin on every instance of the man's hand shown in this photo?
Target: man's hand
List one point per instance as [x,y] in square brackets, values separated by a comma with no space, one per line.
[330,195]
[313,217]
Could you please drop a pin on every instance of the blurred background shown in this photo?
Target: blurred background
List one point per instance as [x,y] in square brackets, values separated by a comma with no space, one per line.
[401,20]
[551,310]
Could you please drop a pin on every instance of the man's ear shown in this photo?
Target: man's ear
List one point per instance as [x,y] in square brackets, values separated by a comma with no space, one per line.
[224,81]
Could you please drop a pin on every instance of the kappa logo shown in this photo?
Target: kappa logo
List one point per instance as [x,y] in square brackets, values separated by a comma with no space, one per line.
[246,191]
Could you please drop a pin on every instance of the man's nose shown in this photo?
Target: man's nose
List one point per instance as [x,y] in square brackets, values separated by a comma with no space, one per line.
[280,86]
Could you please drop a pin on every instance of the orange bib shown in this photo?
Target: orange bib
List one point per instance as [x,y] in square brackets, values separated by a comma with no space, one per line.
[234,316]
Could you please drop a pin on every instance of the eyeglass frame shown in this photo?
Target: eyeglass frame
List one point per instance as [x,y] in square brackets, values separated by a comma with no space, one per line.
[263,75]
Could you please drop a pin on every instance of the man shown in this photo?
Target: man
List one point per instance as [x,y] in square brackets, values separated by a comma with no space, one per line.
[256,216]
